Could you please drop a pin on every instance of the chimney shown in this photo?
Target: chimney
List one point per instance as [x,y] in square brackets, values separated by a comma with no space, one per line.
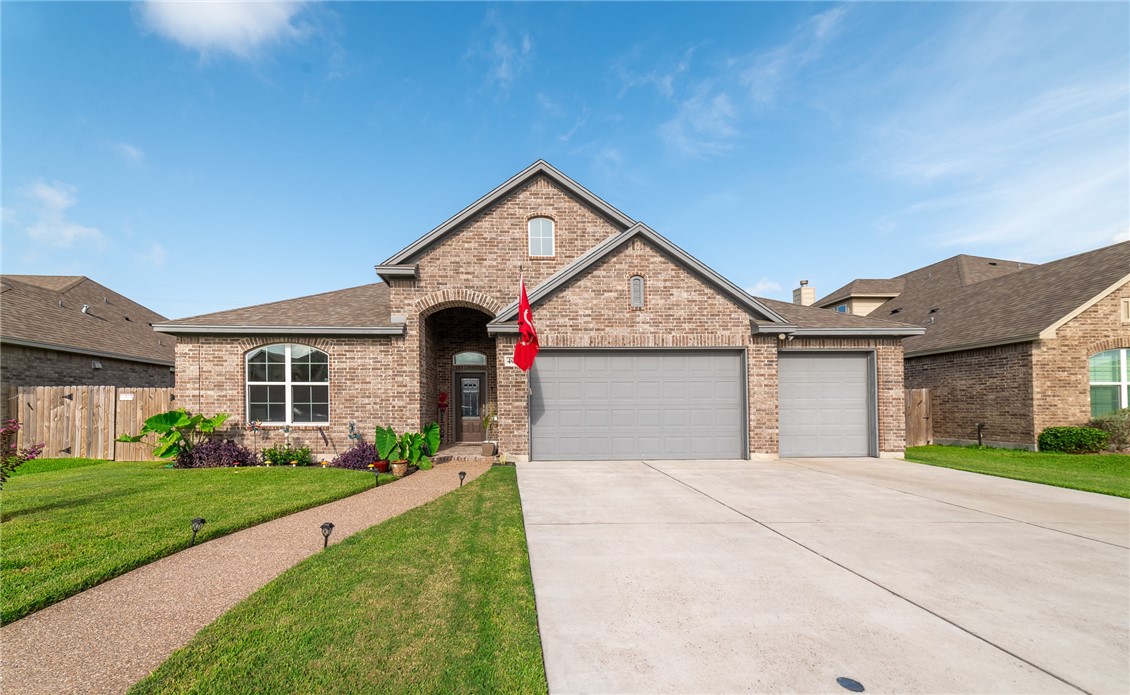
[804,295]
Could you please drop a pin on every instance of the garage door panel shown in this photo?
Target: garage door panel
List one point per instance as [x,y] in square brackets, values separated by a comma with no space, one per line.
[638,404]
[824,404]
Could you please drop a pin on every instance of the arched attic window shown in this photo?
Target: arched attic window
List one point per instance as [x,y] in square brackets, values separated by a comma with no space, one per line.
[541,236]
[636,289]
[470,358]
[288,384]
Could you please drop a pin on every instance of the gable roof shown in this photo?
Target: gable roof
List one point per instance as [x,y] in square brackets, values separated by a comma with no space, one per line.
[1021,303]
[360,310]
[46,311]
[768,315]
[399,263]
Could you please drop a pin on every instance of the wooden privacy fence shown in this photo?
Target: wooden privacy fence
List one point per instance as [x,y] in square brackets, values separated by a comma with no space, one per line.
[84,421]
[919,426]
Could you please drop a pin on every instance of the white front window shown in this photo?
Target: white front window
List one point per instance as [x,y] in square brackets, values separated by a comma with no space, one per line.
[541,236]
[1109,383]
[288,384]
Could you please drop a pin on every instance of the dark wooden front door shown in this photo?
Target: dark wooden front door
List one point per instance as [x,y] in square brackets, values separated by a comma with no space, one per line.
[471,389]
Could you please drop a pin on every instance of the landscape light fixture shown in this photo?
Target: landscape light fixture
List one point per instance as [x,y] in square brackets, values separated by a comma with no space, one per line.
[197,524]
[327,529]
[376,477]
[850,684]
[462,475]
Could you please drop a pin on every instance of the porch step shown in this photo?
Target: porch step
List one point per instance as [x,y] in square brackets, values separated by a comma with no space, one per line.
[441,458]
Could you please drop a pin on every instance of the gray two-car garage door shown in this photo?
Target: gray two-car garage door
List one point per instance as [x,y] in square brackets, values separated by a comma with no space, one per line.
[825,404]
[637,404]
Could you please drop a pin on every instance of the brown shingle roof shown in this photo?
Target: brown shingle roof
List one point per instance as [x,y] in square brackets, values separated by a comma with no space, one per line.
[47,310]
[359,307]
[863,288]
[1014,306]
[815,317]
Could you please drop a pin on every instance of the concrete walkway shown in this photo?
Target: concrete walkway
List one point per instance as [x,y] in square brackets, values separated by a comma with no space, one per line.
[781,576]
[109,637]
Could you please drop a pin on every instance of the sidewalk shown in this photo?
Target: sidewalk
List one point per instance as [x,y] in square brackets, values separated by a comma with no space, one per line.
[111,636]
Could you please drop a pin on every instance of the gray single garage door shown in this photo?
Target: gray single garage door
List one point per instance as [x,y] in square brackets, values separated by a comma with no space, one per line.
[825,404]
[590,405]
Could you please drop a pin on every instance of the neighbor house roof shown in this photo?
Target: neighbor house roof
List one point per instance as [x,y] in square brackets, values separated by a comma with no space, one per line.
[46,311]
[812,320]
[360,310]
[402,262]
[863,288]
[965,302]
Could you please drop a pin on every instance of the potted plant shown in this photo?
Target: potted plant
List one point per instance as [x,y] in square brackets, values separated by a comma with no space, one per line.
[490,421]
[409,449]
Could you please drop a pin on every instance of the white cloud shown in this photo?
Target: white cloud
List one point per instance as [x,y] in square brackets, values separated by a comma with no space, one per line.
[764,287]
[242,29]
[770,71]
[51,226]
[507,54]
[154,257]
[130,154]
[705,124]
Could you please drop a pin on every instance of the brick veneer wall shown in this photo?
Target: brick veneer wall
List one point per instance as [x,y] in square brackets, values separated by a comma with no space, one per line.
[29,366]
[990,385]
[366,384]
[680,310]
[1061,385]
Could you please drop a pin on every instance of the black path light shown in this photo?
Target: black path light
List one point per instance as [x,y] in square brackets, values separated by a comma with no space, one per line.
[462,475]
[197,524]
[376,477]
[327,529]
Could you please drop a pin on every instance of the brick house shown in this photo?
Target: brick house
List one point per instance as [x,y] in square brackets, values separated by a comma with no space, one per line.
[646,352]
[1014,347]
[71,331]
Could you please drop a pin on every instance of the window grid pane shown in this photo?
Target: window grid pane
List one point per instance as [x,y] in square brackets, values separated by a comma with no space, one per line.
[1104,399]
[1105,366]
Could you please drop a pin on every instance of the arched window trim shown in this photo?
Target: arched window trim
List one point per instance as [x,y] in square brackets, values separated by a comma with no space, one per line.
[637,289]
[1122,383]
[542,242]
[284,391]
[480,360]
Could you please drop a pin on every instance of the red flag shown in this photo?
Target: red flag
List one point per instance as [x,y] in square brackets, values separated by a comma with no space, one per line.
[527,348]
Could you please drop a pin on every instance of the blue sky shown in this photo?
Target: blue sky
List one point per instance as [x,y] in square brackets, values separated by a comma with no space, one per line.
[198,157]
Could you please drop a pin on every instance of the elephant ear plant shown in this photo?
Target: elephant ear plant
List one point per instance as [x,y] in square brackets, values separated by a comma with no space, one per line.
[176,431]
[413,447]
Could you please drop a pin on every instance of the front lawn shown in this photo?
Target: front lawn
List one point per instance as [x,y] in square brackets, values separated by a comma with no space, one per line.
[66,530]
[1105,473]
[436,600]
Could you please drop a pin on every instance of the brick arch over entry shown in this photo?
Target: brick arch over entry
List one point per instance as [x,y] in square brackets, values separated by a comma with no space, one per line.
[447,299]
[1107,344]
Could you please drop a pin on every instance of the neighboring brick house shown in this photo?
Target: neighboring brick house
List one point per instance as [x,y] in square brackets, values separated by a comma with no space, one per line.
[646,352]
[71,331]
[1014,347]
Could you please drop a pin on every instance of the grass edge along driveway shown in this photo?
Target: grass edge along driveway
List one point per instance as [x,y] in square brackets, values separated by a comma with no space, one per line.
[64,531]
[1108,474]
[438,599]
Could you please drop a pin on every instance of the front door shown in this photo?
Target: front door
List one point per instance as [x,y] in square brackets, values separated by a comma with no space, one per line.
[471,390]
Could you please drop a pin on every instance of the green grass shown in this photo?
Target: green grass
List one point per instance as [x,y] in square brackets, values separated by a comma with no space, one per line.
[66,530]
[436,600]
[1105,473]
[46,465]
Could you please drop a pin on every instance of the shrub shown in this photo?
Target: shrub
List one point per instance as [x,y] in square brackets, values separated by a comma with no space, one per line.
[1073,440]
[216,453]
[357,458]
[11,456]
[1117,425]
[283,455]
[177,431]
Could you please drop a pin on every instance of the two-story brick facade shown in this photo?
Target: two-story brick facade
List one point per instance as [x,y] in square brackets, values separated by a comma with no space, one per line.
[646,352]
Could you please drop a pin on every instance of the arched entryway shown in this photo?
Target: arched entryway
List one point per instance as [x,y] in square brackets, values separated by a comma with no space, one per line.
[457,372]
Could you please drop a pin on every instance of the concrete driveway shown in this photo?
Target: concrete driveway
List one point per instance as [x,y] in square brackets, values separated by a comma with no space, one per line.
[781,576]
